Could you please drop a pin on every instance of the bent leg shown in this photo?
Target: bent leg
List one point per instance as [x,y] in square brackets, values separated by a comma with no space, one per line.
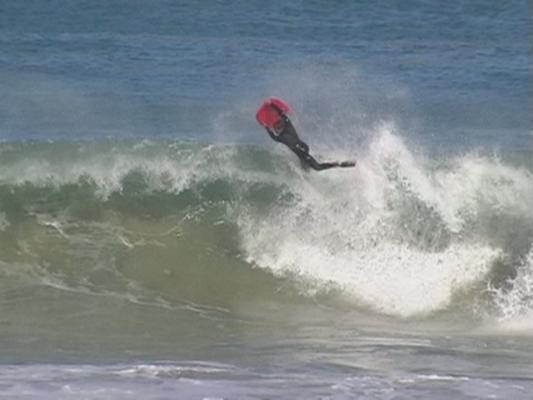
[302,151]
[310,161]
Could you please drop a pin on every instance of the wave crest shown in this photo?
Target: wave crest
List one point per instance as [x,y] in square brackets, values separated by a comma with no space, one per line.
[402,234]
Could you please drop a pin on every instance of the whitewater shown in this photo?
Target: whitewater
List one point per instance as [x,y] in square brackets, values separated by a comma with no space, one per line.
[402,236]
[156,244]
[200,240]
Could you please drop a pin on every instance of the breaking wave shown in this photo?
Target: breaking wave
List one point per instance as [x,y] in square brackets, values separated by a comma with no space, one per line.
[212,224]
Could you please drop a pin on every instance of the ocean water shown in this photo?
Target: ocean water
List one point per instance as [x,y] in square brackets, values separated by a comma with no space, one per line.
[156,244]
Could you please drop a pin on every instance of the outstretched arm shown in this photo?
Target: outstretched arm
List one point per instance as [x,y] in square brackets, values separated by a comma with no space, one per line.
[273,135]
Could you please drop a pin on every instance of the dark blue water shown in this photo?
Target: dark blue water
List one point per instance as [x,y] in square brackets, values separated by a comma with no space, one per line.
[152,68]
[155,243]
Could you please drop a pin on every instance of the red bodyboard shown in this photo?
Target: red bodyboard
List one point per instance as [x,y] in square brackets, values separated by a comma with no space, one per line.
[270,112]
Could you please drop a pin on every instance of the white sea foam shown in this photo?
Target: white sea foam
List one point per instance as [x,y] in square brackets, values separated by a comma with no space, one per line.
[514,302]
[389,278]
[172,170]
[395,234]
[398,233]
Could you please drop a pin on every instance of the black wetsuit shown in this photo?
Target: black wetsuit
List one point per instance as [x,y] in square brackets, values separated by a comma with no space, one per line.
[289,137]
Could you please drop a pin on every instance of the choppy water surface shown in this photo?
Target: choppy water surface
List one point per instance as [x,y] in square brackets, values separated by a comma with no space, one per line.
[153,244]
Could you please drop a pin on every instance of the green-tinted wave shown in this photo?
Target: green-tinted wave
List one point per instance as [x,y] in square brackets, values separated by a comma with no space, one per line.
[228,226]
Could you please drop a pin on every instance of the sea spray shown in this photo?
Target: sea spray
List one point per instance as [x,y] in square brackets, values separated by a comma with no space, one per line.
[512,300]
[389,235]
[401,235]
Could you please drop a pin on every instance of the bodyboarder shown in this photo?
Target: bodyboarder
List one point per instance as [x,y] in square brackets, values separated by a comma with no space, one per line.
[272,115]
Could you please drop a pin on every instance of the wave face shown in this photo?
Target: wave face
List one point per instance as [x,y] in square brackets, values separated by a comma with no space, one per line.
[218,226]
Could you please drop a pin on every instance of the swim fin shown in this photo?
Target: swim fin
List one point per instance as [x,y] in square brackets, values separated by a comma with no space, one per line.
[347,164]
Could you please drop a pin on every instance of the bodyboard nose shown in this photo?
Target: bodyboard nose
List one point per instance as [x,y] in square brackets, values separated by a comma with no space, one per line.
[271,111]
